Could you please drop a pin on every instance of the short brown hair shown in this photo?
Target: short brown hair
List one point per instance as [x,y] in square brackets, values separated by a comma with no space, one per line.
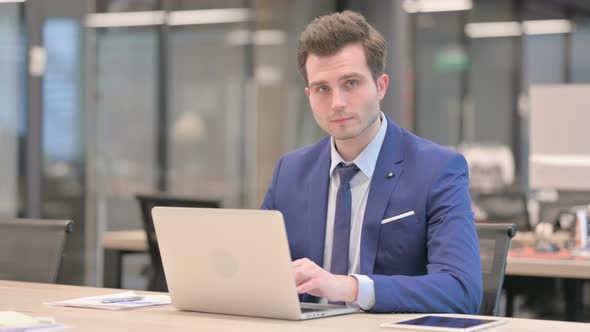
[328,34]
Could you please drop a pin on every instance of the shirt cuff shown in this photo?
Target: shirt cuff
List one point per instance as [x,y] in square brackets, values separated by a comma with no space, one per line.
[366,295]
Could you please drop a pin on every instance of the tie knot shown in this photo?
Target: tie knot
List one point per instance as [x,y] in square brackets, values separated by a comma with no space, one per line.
[346,172]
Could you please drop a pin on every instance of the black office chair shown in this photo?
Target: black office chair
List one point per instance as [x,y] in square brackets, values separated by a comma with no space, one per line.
[157,280]
[494,240]
[504,207]
[32,249]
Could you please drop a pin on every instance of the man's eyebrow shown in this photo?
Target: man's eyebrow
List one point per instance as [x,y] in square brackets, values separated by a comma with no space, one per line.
[349,76]
[316,83]
[341,78]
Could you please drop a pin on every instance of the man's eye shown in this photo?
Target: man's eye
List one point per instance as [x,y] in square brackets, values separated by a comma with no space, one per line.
[322,89]
[352,84]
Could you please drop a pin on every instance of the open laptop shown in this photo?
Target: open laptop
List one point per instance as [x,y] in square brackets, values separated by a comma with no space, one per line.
[231,262]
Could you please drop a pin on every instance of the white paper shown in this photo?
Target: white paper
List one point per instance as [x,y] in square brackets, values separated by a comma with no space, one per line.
[95,302]
[12,321]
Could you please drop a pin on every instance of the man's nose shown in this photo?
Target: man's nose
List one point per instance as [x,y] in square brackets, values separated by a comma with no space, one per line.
[338,99]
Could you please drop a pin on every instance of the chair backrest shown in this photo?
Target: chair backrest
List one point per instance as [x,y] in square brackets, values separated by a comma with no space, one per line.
[494,240]
[147,202]
[504,207]
[32,249]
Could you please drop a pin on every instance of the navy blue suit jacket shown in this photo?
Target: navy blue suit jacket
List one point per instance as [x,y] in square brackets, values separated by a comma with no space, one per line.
[428,262]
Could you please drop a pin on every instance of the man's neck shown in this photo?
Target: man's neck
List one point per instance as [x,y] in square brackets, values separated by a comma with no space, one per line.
[349,149]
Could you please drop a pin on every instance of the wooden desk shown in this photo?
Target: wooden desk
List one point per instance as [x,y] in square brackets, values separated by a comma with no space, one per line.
[545,267]
[28,298]
[130,240]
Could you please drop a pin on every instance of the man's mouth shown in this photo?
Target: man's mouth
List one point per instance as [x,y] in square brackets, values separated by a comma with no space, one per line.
[341,120]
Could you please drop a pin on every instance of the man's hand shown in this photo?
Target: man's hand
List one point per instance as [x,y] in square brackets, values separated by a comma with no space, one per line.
[312,279]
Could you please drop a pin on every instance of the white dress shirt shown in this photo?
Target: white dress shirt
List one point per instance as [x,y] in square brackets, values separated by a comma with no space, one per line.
[359,185]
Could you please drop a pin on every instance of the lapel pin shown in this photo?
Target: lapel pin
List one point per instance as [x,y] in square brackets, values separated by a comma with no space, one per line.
[390,175]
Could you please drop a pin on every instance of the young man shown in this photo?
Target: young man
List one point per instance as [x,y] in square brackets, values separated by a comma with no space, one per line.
[375,215]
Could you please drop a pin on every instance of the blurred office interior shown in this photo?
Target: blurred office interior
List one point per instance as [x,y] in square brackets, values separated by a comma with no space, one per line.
[105,99]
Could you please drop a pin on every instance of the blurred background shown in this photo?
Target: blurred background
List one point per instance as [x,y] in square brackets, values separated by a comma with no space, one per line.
[105,99]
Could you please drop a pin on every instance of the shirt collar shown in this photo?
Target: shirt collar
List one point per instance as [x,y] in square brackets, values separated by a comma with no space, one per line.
[367,159]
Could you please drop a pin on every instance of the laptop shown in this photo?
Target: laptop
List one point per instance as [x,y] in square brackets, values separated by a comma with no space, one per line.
[231,262]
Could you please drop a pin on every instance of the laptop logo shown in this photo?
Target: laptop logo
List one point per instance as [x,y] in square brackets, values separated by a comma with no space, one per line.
[223,263]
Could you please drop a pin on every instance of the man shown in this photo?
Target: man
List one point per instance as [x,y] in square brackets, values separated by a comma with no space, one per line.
[374,215]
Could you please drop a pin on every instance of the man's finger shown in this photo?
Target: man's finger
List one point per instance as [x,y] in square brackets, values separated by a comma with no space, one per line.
[300,276]
[305,272]
[308,287]
[300,262]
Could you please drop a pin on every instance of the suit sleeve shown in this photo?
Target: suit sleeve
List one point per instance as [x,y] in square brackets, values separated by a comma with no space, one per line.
[269,199]
[454,280]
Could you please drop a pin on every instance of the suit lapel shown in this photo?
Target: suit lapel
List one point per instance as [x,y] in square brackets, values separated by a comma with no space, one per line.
[317,193]
[388,171]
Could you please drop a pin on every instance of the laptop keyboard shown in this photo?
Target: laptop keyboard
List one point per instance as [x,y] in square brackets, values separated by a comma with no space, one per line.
[305,310]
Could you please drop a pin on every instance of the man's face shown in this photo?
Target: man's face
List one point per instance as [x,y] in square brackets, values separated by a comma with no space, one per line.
[343,96]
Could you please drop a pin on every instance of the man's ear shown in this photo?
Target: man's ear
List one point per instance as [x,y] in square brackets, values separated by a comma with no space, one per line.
[382,84]
[307,92]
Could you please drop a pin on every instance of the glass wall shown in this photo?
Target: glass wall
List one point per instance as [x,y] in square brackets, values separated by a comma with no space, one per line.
[194,99]
[579,70]
[465,82]
[125,106]
[206,139]
[283,118]
[63,138]
[474,66]
[122,132]
[12,94]
[491,87]
[440,64]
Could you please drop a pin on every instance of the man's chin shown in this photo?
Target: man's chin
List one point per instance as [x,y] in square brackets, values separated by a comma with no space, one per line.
[343,136]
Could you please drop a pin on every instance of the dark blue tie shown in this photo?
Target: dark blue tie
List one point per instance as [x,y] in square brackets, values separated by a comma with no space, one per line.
[340,244]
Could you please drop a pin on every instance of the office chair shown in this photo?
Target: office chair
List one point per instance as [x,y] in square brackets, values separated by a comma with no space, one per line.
[504,207]
[157,280]
[32,249]
[494,240]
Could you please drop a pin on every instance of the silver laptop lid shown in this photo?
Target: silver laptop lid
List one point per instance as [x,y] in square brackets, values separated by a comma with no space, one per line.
[227,261]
